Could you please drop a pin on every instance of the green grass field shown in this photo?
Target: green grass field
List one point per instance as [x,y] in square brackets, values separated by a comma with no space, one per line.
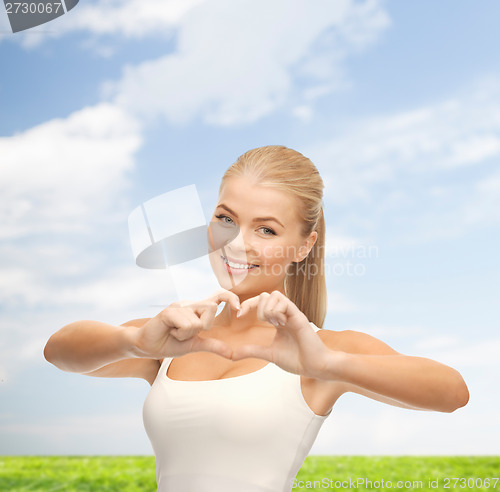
[137,473]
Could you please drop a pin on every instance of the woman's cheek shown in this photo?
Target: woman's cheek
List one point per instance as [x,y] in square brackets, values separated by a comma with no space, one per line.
[276,252]
[268,252]
[275,266]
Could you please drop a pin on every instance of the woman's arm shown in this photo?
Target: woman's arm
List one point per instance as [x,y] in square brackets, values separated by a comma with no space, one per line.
[362,361]
[350,360]
[84,346]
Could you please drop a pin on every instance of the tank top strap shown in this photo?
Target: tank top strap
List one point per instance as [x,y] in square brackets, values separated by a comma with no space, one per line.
[163,367]
[314,326]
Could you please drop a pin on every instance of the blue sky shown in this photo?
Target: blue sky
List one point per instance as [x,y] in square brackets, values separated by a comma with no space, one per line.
[396,103]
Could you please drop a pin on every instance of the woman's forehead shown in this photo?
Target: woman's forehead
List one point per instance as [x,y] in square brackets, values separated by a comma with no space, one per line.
[256,200]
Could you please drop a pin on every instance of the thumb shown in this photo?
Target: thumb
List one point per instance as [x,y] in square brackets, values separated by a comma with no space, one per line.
[249,350]
[211,345]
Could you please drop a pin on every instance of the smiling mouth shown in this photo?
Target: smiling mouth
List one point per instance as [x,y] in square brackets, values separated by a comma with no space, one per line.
[238,266]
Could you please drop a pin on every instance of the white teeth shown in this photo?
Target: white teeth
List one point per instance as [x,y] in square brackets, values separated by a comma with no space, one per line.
[238,265]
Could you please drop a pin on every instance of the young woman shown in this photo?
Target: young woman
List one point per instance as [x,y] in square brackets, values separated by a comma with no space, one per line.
[237,400]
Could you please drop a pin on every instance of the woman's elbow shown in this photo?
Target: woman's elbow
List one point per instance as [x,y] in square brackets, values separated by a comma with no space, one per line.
[50,349]
[47,351]
[461,395]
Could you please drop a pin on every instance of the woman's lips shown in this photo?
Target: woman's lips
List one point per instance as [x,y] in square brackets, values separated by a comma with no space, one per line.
[236,271]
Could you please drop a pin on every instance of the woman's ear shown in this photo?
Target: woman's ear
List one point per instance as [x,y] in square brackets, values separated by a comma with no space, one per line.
[305,249]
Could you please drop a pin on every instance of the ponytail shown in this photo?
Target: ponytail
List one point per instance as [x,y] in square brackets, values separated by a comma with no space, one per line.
[305,283]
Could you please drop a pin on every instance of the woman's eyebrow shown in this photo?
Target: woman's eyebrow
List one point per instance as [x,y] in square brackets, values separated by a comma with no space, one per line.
[257,219]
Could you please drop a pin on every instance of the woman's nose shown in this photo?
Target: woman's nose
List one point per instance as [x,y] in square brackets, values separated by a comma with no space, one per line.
[241,244]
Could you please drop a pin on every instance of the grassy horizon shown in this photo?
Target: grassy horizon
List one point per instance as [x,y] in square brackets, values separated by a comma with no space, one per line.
[79,473]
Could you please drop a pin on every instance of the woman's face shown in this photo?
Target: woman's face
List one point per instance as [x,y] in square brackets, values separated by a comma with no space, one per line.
[265,233]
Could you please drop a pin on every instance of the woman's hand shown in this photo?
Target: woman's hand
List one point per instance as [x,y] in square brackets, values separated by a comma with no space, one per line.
[175,330]
[296,347]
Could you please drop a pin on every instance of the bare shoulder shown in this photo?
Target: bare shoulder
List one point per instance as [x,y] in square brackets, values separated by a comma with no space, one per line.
[130,368]
[355,342]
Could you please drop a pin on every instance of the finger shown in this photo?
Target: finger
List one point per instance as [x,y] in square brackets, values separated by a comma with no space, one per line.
[208,315]
[186,325]
[247,305]
[200,307]
[171,316]
[224,295]
[212,345]
[258,351]
[279,311]
[264,300]
[269,308]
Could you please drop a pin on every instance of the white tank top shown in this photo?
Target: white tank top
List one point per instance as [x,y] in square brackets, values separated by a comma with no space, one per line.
[248,433]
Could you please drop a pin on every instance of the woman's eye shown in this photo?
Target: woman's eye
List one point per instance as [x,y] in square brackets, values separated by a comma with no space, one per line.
[223,217]
[271,232]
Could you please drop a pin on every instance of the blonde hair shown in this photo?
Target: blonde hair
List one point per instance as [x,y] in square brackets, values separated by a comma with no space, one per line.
[288,170]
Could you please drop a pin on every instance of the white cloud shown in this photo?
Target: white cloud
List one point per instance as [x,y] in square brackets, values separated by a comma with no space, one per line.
[423,152]
[132,19]
[473,149]
[120,290]
[75,425]
[303,113]
[346,256]
[116,434]
[236,62]
[480,354]
[402,338]
[337,303]
[453,133]
[384,330]
[63,185]
[483,205]
[336,244]
[343,247]
[55,175]
[112,294]
[448,349]
[360,426]
[436,342]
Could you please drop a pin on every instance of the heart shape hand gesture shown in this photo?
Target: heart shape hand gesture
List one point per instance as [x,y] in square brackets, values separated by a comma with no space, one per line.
[296,347]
